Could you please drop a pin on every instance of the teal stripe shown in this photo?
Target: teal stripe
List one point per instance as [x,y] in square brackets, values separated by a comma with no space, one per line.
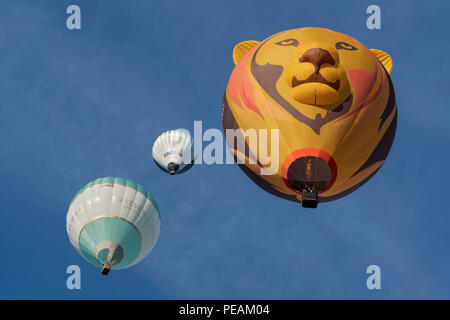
[110,229]
[122,181]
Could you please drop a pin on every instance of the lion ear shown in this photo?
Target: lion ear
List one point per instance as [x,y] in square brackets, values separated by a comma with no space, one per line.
[384,58]
[242,48]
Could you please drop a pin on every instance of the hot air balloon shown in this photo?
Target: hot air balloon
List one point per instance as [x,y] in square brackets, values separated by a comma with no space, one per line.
[113,223]
[331,100]
[173,151]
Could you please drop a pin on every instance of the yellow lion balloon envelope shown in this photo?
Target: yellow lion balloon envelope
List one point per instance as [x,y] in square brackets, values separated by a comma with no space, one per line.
[332,101]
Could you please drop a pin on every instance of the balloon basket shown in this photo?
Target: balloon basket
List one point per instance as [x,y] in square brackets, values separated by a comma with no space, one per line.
[310,199]
[105,269]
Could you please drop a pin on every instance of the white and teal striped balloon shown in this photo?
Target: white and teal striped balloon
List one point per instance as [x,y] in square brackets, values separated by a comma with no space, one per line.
[113,223]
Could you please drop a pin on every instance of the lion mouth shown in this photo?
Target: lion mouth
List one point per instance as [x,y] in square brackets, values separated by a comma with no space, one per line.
[318,78]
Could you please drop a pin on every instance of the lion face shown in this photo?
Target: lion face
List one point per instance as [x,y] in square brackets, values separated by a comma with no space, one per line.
[330,98]
[313,70]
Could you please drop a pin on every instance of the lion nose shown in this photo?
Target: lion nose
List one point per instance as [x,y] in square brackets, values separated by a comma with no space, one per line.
[317,56]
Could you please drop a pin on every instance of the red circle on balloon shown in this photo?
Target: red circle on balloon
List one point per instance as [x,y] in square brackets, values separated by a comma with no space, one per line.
[308,152]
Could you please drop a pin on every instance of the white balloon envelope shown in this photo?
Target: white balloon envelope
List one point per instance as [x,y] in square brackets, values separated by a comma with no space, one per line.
[113,223]
[173,151]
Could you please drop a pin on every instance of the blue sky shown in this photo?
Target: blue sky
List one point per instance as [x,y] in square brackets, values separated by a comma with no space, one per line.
[78,105]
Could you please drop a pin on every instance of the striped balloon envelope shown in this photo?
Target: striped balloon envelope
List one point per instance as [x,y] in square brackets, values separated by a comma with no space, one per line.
[113,223]
[173,151]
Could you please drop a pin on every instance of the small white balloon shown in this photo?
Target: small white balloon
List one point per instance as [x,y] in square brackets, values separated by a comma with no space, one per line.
[173,151]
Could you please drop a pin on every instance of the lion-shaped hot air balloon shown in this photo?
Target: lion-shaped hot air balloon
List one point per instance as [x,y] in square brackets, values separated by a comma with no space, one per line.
[333,102]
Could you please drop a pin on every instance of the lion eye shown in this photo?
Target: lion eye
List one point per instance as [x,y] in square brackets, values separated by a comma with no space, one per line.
[345,46]
[288,42]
